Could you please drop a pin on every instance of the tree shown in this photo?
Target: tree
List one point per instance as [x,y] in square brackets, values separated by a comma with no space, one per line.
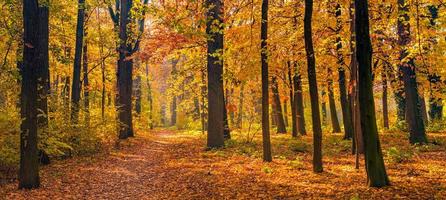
[331,102]
[311,68]
[278,111]
[214,30]
[76,86]
[86,81]
[406,67]
[376,171]
[345,104]
[267,157]
[29,166]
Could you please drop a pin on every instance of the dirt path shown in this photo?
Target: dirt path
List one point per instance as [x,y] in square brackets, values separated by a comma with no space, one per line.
[140,169]
[174,165]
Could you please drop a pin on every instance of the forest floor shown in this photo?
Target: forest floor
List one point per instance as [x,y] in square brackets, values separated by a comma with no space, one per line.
[175,165]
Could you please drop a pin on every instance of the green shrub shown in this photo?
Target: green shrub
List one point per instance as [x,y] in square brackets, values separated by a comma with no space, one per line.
[396,155]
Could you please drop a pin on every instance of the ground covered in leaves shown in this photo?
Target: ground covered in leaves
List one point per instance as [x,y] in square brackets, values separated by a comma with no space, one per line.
[167,164]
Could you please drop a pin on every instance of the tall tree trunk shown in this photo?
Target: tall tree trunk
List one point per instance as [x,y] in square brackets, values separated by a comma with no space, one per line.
[435,83]
[29,166]
[267,157]
[227,131]
[285,112]
[76,85]
[240,107]
[173,111]
[101,56]
[357,145]
[43,81]
[138,89]
[280,121]
[125,74]
[149,97]
[345,104]
[311,62]
[203,100]
[215,71]
[86,83]
[407,68]
[299,103]
[384,99]
[293,104]
[331,101]
[376,171]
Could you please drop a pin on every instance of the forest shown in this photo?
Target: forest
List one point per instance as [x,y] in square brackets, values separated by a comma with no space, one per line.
[222,99]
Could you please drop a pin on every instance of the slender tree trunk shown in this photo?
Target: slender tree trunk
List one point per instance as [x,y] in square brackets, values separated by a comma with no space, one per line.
[86,83]
[311,62]
[138,89]
[285,112]
[345,104]
[125,74]
[299,103]
[29,166]
[293,104]
[226,132]
[384,100]
[267,157]
[331,101]
[76,85]
[240,107]
[215,71]
[101,56]
[149,97]
[435,83]
[376,171]
[357,146]
[203,101]
[407,68]
[280,121]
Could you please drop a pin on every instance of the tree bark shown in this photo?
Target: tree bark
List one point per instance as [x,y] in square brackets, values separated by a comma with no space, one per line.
[267,157]
[376,171]
[125,74]
[357,145]
[345,104]
[293,104]
[407,69]
[76,85]
[86,83]
[384,100]
[311,62]
[216,105]
[43,81]
[336,128]
[29,166]
[279,115]
[149,97]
